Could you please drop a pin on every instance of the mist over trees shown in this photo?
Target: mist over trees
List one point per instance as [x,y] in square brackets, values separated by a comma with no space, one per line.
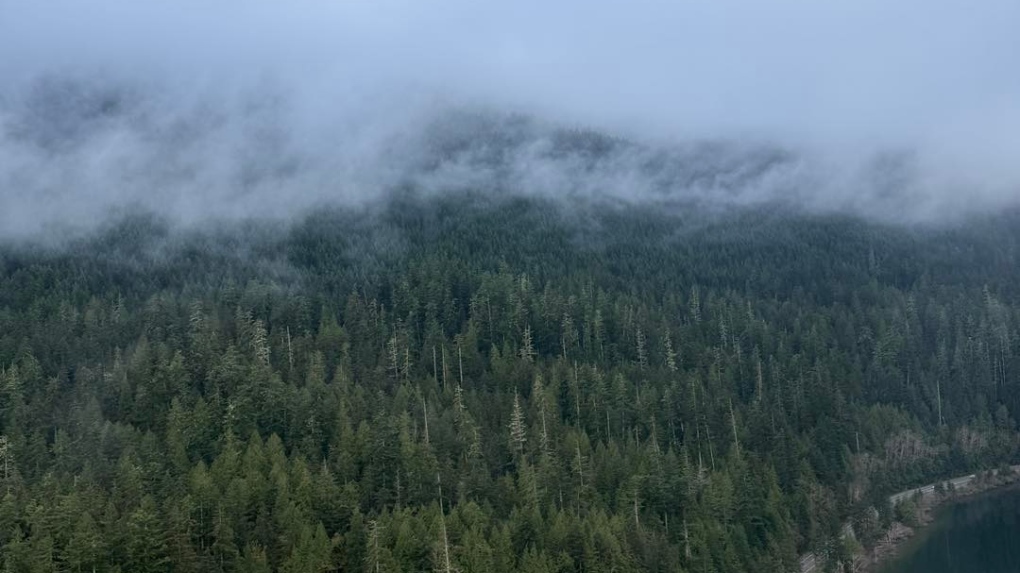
[483,383]
[506,286]
[76,149]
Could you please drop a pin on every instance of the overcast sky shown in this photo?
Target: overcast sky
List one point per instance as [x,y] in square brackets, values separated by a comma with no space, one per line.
[860,66]
[938,76]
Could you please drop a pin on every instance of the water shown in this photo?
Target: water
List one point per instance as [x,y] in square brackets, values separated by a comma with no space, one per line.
[978,535]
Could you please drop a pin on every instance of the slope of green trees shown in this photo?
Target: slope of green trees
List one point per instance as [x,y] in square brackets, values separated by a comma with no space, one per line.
[468,383]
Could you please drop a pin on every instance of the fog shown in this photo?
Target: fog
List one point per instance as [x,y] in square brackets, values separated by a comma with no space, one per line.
[904,110]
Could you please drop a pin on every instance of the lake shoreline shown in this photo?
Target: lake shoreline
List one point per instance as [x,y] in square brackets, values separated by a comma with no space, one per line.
[899,534]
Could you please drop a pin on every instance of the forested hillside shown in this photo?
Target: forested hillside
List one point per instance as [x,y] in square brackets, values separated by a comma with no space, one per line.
[475,384]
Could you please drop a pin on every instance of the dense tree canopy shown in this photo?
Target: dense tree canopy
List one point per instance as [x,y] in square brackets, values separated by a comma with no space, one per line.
[463,383]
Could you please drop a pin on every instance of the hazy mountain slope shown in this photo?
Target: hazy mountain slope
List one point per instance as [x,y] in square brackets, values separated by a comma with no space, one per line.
[622,386]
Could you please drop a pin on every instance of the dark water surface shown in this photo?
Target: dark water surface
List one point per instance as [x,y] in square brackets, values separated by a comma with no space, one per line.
[978,535]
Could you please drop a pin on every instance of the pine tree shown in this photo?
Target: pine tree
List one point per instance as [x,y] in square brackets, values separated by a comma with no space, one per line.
[442,553]
[642,352]
[527,351]
[695,304]
[145,543]
[85,549]
[374,559]
[568,336]
[671,355]
[6,458]
[392,353]
[224,548]
[260,342]
[538,398]
[311,554]
[518,427]
[254,560]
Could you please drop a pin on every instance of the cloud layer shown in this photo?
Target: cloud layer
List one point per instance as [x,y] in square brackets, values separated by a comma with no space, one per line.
[904,109]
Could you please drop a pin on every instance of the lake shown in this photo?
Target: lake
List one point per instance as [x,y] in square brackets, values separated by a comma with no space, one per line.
[977,535]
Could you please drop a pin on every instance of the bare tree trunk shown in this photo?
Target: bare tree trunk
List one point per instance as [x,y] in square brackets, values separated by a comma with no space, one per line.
[577,395]
[425,415]
[733,421]
[447,568]
[444,367]
[290,350]
[711,450]
[580,464]
[938,394]
[687,540]
[760,383]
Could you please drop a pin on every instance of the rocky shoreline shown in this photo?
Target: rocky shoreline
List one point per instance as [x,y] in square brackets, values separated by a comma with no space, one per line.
[928,499]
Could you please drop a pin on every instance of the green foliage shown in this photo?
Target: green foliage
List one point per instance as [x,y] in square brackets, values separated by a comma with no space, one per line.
[906,512]
[482,384]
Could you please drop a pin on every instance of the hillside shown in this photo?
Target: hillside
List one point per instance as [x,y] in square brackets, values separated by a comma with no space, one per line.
[478,381]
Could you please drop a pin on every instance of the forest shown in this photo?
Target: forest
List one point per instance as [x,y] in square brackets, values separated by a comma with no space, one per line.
[477,382]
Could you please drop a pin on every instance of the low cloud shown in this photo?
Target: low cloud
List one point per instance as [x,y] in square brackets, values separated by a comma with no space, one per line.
[903,110]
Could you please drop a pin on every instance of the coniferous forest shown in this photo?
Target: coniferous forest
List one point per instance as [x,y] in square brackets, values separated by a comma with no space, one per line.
[463,382]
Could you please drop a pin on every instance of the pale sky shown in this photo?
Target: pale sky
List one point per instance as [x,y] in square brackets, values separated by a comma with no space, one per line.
[939,78]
